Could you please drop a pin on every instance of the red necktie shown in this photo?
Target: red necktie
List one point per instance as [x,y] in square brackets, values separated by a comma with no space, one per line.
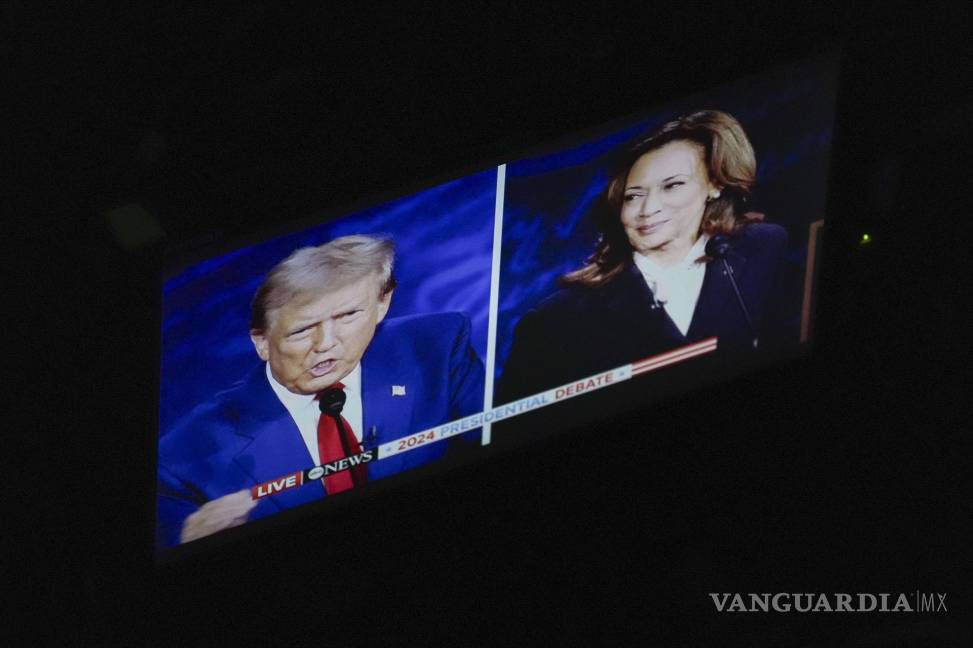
[335,444]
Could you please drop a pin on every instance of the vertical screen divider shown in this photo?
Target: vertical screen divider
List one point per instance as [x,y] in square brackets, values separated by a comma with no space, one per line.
[494,299]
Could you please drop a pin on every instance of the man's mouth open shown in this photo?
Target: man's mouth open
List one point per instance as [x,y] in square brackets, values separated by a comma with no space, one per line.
[323,367]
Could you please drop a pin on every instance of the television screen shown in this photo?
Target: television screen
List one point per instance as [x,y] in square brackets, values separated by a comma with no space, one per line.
[646,258]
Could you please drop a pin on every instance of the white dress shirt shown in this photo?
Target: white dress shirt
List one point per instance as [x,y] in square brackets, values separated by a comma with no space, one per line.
[305,412]
[676,287]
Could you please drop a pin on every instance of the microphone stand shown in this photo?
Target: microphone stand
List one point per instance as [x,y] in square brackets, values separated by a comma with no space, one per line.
[717,247]
[728,271]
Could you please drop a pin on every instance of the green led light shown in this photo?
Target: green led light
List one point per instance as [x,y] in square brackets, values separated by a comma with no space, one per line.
[865,239]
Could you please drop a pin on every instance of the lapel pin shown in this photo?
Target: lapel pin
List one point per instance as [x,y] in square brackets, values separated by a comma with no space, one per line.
[398,390]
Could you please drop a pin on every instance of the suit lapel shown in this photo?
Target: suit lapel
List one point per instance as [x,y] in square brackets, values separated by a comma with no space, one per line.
[635,302]
[277,448]
[714,296]
[387,416]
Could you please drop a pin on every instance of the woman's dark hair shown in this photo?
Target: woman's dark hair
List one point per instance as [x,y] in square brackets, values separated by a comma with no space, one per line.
[732,168]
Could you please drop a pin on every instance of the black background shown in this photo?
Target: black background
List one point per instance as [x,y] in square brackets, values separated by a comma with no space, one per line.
[845,472]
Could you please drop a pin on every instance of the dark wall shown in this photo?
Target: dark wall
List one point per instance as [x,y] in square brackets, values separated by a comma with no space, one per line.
[218,122]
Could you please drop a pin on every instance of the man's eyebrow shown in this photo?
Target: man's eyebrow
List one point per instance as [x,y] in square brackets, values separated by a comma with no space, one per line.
[356,303]
[300,327]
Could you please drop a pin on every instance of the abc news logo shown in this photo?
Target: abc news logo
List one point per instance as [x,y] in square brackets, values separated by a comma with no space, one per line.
[837,602]
[319,472]
[301,477]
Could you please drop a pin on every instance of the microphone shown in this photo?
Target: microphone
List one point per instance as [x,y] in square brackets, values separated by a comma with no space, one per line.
[656,302]
[717,248]
[332,401]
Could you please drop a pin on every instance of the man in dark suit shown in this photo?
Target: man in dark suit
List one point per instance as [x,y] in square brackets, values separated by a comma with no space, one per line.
[318,324]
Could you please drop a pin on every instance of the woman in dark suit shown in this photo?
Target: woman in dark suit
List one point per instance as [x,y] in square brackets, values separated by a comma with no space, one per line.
[651,285]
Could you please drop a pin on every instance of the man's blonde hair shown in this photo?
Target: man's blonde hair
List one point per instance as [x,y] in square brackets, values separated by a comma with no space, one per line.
[314,271]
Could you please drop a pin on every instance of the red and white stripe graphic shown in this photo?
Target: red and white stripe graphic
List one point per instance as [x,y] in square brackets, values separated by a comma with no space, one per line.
[671,357]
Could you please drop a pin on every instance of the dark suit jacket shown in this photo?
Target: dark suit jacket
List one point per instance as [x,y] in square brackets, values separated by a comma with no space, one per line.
[245,435]
[579,331]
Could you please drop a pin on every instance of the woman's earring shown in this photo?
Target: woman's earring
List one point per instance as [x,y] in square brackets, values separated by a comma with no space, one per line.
[714,195]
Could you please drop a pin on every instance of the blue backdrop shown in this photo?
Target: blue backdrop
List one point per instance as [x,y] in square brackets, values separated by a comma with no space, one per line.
[547,226]
[444,235]
[443,238]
